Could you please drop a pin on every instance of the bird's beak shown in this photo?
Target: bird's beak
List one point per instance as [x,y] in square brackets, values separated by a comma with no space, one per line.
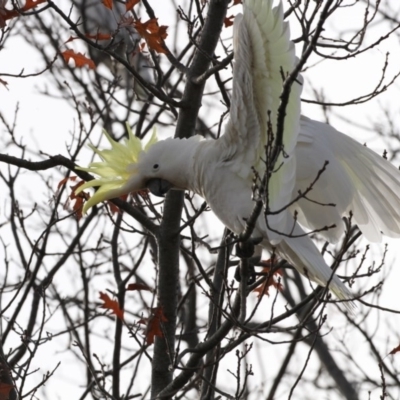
[158,187]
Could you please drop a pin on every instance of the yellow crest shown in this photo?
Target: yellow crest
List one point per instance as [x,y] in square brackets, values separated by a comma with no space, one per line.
[117,166]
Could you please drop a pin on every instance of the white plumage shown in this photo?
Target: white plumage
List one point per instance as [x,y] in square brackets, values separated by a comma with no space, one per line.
[97,18]
[356,179]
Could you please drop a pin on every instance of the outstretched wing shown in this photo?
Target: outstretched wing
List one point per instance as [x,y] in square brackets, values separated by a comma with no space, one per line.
[264,55]
[356,180]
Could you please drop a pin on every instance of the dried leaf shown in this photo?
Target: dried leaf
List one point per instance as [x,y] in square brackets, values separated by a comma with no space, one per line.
[154,324]
[30,4]
[115,209]
[71,39]
[65,180]
[108,3]
[263,289]
[228,21]
[79,59]
[152,33]
[395,350]
[111,305]
[77,207]
[97,36]
[9,14]
[130,4]
[79,198]
[138,286]
[3,12]
[5,389]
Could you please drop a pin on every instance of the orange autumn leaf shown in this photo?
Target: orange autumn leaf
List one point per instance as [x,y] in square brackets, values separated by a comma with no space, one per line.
[71,39]
[32,4]
[97,36]
[154,324]
[9,14]
[78,199]
[395,350]
[263,289]
[228,21]
[65,180]
[152,33]
[130,4]
[138,286]
[79,59]
[108,3]
[114,209]
[111,305]
[5,389]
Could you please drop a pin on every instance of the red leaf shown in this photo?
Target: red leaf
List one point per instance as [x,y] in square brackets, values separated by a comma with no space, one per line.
[228,21]
[115,209]
[79,198]
[111,305]
[5,389]
[395,350]
[71,38]
[99,36]
[79,59]
[130,4]
[96,37]
[9,14]
[263,289]
[32,4]
[65,180]
[154,324]
[108,3]
[153,34]
[138,286]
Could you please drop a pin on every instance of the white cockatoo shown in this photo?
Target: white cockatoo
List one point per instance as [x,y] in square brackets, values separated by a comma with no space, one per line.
[356,180]
[97,18]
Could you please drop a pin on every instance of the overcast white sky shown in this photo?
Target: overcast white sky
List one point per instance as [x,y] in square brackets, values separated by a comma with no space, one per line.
[46,123]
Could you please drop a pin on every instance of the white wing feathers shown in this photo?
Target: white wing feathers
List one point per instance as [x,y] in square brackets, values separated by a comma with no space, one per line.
[356,179]
[264,54]
[304,256]
[242,133]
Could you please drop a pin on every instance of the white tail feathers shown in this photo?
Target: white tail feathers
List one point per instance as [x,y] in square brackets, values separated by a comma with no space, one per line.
[302,253]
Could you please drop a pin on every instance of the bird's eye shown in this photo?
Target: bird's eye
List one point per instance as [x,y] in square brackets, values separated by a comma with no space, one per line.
[156,167]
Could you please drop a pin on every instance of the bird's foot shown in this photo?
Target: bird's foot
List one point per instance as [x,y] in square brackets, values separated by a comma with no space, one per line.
[245,249]
[251,273]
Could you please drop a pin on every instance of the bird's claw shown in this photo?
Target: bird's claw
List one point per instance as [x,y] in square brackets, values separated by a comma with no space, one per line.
[251,274]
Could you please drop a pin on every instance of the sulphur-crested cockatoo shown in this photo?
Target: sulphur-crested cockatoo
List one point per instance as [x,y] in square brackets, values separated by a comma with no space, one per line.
[356,179]
[97,18]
